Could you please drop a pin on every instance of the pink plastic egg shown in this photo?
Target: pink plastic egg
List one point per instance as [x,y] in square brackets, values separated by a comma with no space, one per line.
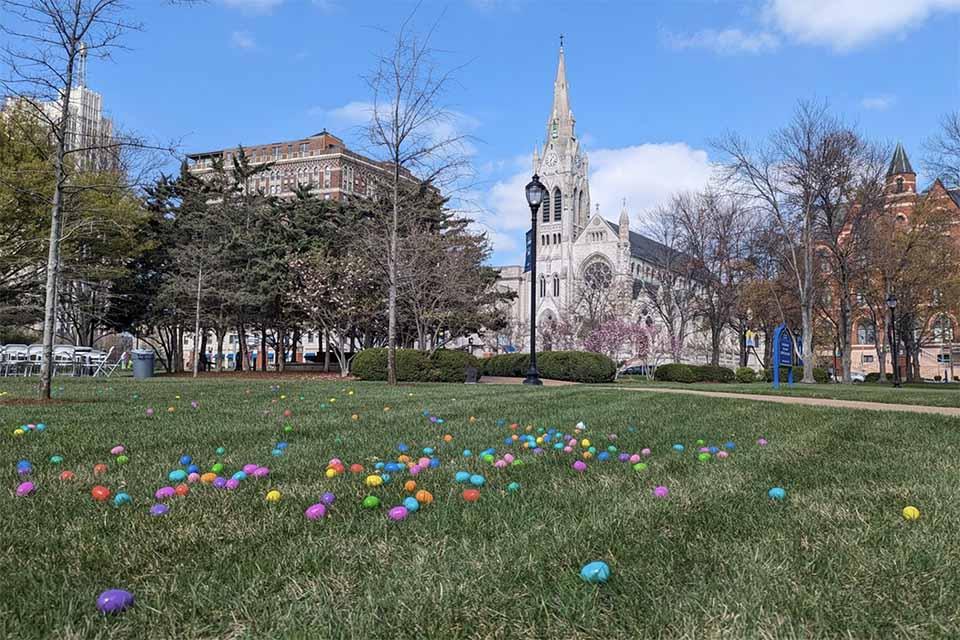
[261,472]
[232,484]
[25,489]
[508,458]
[500,464]
[568,449]
[580,466]
[634,459]
[661,491]
[249,468]
[193,478]
[315,511]
[645,453]
[722,454]
[117,450]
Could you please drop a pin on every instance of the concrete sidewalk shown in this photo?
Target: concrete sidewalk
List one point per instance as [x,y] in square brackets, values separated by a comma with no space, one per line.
[812,402]
[505,380]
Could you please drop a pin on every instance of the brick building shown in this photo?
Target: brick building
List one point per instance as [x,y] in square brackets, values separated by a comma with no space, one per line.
[939,352]
[321,161]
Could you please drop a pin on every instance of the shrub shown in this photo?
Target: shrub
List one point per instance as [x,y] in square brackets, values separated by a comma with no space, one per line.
[745,375]
[414,366]
[875,377]
[937,378]
[820,375]
[675,373]
[710,373]
[573,366]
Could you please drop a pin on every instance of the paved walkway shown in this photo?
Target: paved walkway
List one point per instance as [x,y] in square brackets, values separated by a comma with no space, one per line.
[813,402]
[505,380]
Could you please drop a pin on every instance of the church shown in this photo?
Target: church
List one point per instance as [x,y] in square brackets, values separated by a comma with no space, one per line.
[580,253]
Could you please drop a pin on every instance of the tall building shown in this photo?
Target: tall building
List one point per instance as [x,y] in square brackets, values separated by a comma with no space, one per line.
[89,139]
[579,250]
[320,161]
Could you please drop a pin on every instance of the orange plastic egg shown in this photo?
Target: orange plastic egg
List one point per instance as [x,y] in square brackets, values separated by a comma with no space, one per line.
[208,478]
[410,486]
[424,497]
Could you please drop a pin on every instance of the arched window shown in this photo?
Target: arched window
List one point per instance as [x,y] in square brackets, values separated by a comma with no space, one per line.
[546,210]
[543,286]
[580,206]
[557,204]
[556,286]
[866,332]
[943,329]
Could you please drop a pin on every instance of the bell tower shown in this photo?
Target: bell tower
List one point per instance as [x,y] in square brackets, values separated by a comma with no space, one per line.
[562,165]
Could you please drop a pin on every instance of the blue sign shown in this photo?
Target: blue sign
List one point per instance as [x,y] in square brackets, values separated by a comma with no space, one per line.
[528,263]
[782,354]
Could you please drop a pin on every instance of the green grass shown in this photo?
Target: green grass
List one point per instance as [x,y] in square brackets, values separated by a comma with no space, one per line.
[937,395]
[717,559]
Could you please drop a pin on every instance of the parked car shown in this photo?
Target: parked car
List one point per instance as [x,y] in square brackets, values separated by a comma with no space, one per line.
[637,370]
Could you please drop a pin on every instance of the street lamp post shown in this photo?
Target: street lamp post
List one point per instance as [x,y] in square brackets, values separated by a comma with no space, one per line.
[535,194]
[894,348]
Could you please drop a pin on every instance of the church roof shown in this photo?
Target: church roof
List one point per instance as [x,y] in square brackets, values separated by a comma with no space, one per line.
[646,249]
[899,163]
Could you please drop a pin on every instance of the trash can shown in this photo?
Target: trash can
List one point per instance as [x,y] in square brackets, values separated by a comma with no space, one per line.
[142,360]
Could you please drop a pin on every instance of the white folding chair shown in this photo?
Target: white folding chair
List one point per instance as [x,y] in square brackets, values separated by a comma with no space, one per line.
[63,359]
[110,367]
[15,355]
[34,359]
[98,359]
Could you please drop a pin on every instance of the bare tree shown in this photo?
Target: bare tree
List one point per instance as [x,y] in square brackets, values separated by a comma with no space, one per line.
[675,293]
[783,177]
[44,59]
[411,128]
[943,151]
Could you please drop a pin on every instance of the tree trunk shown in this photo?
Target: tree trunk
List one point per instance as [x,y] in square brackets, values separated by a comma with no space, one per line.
[220,336]
[263,349]
[197,352]
[325,341]
[56,221]
[282,349]
[806,312]
[844,328]
[240,363]
[715,338]
[881,349]
[392,277]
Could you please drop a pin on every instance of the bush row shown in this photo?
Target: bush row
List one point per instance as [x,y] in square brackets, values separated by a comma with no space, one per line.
[693,373]
[707,373]
[414,366]
[575,366]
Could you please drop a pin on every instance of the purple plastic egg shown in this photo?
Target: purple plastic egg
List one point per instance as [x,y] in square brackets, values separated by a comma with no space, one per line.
[165,492]
[623,457]
[328,498]
[114,600]
[661,491]
[25,489]
[538,451]
[415,469]
[315,511]
[580,466]
[261,472]
[220,482]
[398,513]
[704,449]
[232,484]
[249,468]
[159,510]
[762,442]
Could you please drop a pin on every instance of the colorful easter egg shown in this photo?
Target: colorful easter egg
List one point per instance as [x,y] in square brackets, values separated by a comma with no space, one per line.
[99,469]
[208,478]
[513,487]
[640,466]
[411,504]
[182,490]
[661,492]
[423,496]
[678,448]
[164,493]
[477,480]
[777,493]
[371,502]
[100,493]
[762,442]
[67,475]
[121,499]
[24,489]
[177,475]
[471,495]
[117,450]
[397,513]
[596,572]
[114,601]
[579,466]
[316,511]
[373,481]
[462,476]
[185,460]
[159,510]
[910,513]
[274,496]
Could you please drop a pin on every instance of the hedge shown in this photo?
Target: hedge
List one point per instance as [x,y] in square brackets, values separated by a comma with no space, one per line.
[414,366]
[710,373]
[745,375]
[875,377]
[574,366]
[820,375]
[675,373]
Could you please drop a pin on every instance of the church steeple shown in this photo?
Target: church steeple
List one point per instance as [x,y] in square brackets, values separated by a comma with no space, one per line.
[624,225]
[561,122]
[901,178]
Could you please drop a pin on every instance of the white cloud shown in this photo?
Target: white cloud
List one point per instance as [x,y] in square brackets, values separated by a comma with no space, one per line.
[646,175]
[253,6]
[242,40]
[878,103]
[848,24]
[726,41]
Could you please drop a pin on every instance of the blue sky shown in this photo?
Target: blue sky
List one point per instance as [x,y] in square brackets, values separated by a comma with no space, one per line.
[651,82]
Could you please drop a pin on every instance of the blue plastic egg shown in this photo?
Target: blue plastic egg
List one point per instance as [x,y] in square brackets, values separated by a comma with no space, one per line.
[281,445]
[185,460]
[177,475]
[122,499]
[678,448]
[477,480]
[402,448]
[467,453]
[434,463]
[462,476]
[603,456]
[777,493]
[277,452]
[239,475]
[411,504]
[595,572]
[730,445]
[193,469]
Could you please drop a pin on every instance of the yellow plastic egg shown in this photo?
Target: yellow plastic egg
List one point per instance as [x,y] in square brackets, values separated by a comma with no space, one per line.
[911,513]
[331,473]
[273,496]
[585,443]
[373,481]
[18,432]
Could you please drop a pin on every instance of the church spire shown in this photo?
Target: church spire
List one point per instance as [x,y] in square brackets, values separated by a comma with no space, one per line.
[560,125]
[624,226]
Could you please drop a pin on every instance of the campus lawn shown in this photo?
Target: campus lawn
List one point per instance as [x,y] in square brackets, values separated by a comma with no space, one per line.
[937,395]
[715,559]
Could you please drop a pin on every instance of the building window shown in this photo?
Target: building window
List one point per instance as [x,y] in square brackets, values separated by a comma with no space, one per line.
[303,148]
[276,153]
[867,359]
[309,336]
[943,358]
[557,205]
[546,210]
[598,275]
[543,286]
[943,330]
[866,332]
[899,185]
[326,177]
[556,286]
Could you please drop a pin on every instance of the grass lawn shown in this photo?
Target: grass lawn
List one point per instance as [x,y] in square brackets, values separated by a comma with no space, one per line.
[717,558]
[937,395]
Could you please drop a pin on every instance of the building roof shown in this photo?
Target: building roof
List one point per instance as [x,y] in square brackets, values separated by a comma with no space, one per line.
[644,248]
[955,195]
[899,163]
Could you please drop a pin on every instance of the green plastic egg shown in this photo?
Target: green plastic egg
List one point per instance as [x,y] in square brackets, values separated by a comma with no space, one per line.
[217,467]
[122,459]
[371,502]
